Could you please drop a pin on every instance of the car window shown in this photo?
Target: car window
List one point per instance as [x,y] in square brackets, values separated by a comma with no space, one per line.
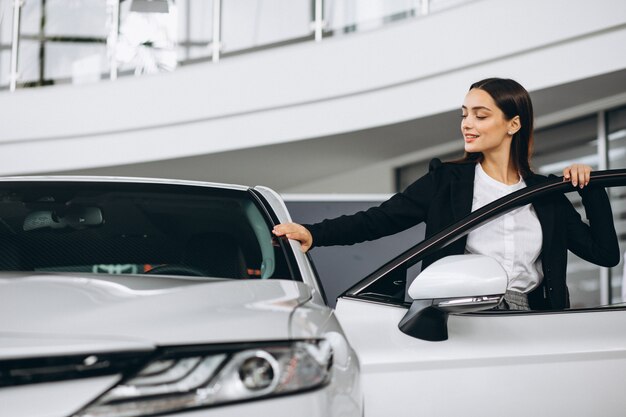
[590,285]
[124,228]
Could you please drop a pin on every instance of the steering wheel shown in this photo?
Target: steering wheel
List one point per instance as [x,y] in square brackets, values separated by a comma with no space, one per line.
[176,269]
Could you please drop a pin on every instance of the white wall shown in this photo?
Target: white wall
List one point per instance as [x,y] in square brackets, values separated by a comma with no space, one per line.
[407,70]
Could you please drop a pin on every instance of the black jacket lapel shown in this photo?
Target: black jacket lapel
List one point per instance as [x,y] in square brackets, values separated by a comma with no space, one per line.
[462,191]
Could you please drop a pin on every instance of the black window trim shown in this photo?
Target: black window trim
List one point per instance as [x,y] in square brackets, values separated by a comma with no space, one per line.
[272,220]
[554,184]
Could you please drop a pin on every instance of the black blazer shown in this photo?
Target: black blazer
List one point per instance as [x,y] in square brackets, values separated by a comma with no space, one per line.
[444,196]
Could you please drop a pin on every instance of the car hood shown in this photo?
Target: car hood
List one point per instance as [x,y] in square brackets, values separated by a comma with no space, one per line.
[47,313]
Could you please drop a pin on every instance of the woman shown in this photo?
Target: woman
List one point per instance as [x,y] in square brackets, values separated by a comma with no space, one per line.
[531,243]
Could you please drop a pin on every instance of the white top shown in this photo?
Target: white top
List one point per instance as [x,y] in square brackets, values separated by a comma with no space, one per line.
[513,239]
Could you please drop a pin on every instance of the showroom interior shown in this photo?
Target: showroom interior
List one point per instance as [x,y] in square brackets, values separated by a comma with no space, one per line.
[324,101]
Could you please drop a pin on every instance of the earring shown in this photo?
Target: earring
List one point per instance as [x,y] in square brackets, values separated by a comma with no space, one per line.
[510,133]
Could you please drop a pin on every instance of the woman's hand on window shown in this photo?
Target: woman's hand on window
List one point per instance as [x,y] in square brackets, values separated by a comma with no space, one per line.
[578,174]
[296,232]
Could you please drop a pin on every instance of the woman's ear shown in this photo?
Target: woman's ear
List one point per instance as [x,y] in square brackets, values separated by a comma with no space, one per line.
[514,125]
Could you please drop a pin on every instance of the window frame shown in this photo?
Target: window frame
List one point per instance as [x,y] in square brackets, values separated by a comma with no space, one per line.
[389,273]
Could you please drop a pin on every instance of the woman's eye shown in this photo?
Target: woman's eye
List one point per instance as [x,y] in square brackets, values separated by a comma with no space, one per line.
[463,116]
[481,117]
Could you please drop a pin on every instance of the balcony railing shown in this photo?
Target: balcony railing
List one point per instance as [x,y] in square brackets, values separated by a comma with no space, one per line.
[45,42]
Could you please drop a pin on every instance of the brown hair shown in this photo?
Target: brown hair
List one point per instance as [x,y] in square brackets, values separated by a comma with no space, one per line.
[513,100]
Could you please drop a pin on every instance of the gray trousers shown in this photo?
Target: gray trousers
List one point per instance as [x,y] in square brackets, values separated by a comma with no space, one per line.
[514,300]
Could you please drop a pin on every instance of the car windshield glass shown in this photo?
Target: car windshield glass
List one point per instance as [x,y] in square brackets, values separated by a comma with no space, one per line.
[133,228]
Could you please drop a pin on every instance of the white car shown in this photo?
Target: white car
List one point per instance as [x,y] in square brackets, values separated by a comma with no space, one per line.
[123,298]
[127,297]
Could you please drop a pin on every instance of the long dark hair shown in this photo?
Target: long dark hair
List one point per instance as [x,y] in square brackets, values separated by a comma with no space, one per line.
[513,100]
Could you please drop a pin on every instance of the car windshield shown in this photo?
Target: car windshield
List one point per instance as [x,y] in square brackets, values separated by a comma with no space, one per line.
[136,228]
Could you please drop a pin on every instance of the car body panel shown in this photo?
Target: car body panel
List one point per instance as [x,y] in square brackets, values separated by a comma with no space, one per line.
[569,363]
[56,399]
[230,310]
[518,363]
[17,345]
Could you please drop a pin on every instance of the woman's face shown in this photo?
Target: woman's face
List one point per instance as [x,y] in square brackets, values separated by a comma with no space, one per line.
[484,126]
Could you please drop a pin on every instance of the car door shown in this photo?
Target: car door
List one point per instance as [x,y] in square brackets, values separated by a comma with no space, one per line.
[561,363]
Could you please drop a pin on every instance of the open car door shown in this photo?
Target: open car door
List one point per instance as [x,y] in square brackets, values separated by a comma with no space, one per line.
[441,350]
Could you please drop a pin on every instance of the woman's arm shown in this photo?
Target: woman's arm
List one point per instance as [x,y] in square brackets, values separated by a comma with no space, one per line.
[596,242]
[400,212]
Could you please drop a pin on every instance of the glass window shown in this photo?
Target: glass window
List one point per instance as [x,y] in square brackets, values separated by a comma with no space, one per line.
[84,18]
[616,127]
[82,62]
[29,69]
[107,228]
[30,18]
[251,23]
[5,67]
[30,46]
[352,15]
[6,21]
[557,147]
[195,29]
[5,42]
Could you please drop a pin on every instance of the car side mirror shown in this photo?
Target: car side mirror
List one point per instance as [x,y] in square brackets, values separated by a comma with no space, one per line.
[454,284]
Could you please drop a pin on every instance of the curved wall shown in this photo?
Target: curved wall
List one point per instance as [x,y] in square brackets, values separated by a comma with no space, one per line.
[405,71]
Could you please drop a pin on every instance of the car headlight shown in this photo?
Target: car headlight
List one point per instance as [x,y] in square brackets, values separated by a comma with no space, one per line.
[186,378]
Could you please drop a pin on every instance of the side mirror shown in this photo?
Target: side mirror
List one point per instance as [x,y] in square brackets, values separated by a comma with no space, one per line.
[454,284]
